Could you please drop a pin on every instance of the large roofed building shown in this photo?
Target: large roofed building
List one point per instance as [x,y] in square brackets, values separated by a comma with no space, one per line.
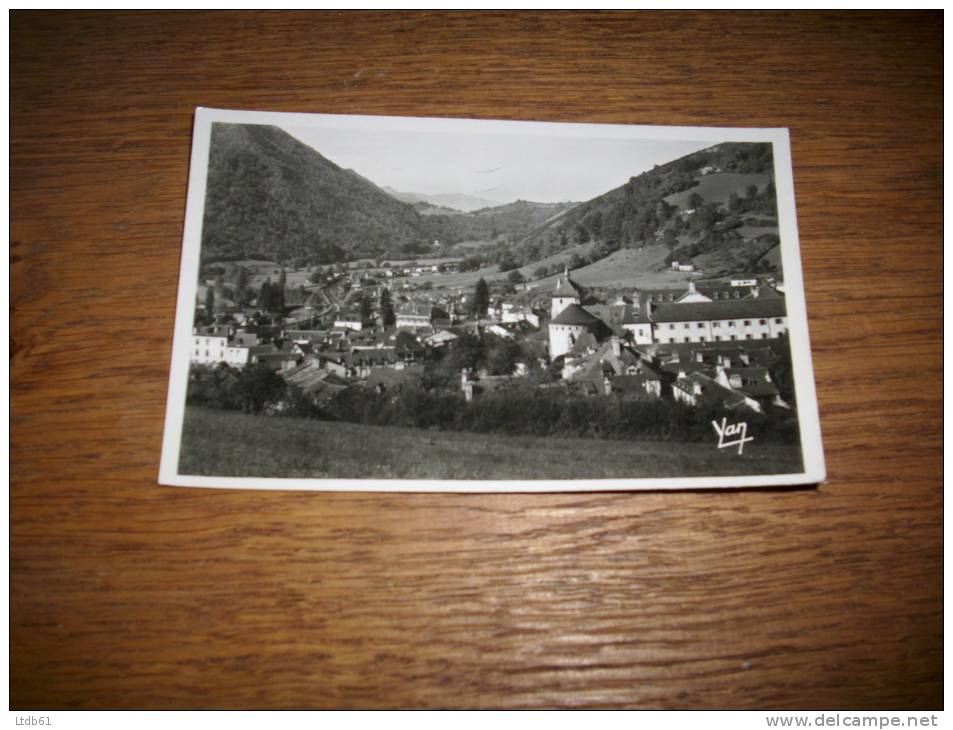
[566,328]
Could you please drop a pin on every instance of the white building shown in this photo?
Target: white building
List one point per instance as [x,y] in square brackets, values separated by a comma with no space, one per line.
[719,321]
[208,346]
[349,321]
[566,328]
[520,314]
[237,355]
[566,293]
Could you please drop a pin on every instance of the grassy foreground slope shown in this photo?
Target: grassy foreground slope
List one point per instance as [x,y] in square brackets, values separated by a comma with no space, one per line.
[227,443]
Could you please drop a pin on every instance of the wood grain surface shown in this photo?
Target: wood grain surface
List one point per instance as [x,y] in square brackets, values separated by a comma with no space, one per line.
[127,594]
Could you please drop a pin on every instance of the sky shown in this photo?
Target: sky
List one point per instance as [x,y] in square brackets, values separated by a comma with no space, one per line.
[499,168]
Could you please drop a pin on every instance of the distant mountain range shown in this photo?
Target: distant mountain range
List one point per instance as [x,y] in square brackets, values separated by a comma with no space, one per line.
[455,201]
[271,195]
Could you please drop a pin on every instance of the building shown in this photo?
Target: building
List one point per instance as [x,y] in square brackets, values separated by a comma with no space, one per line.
[567,292]
[422,315]
[697,389]
[349,321]
[516,314]
[719,321]
[568,326]
[209,344]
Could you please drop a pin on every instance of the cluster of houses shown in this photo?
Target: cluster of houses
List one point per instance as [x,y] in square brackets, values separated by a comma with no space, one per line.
[712,343]
[703,343]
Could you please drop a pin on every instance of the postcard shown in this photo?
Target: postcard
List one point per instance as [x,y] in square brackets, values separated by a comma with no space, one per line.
[422,304]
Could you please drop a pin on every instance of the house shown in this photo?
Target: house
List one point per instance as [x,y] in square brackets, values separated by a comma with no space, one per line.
[516,314]
[350,320]
[753,382]
[338,363]
[500,331]
[362,361]
[408,348]
[718,321]
[237,356]
[682,267]
[692,295]
[441,338]
[417,315]
[698,389]
[321,385]
[208,344]
[647,382]
[283,358]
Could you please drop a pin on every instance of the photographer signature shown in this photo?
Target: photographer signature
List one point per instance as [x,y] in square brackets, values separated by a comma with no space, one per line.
[736,432]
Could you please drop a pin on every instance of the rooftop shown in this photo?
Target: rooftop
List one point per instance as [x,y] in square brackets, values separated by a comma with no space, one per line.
[576,315]
[719,310]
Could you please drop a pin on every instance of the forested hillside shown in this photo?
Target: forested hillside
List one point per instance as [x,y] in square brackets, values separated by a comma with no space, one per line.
[716,207]
[272,195]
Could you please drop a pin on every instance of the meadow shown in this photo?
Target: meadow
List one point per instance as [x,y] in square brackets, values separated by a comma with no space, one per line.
[228,443]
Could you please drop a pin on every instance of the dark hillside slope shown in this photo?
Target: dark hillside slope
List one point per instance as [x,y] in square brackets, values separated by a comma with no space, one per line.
[270,194]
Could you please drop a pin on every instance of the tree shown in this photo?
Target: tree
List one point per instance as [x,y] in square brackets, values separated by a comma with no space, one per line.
[241,281]
[220,291]
[257,386]
[366,308]
[751,192]
[515,277]
[507,262]
[209,304]
[388,318]
[266,297]
[502,357]
[541,273]
[481,298]
[695,200]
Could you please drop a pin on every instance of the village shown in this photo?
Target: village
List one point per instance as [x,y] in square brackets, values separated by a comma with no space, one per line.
[716,342]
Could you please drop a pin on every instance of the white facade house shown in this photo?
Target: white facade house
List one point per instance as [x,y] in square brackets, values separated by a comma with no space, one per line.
[520,314]
[641,330]
[237,355]
[349,321]
[208,348]
[719,321]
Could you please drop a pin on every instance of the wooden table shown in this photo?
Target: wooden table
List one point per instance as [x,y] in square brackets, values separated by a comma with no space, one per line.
[125,594]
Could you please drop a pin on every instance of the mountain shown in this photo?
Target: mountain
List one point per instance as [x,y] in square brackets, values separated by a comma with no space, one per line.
[503,223]
[715,208]
[270,194]
[456,201]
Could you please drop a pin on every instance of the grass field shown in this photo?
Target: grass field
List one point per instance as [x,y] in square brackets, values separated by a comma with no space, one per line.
[717,187]
[224,443]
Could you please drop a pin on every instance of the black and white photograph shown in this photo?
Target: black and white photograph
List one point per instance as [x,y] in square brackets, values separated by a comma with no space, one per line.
[386,303]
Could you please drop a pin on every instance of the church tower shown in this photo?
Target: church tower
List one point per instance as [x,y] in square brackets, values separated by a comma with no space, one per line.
[566,293]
